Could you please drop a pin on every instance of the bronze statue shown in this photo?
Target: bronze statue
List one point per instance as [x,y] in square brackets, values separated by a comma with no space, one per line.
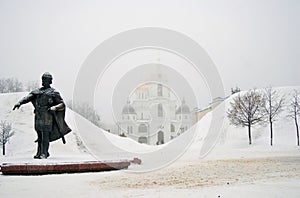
[49,109]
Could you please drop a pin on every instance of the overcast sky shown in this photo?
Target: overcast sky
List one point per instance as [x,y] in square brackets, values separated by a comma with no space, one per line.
[253,43]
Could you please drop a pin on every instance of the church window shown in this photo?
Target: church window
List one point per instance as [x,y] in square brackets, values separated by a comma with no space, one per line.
[131,129]
[159,90]
[160,110]
[172,128]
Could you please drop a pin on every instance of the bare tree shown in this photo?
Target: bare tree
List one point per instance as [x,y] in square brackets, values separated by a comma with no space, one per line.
[5,134]
[247,110]
[10,85]
[273,107]
[31,85]
[87,111]
[294,111]
[14,85]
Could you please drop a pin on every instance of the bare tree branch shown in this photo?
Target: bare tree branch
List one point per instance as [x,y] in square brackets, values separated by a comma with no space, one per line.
[246,110]
[5,134]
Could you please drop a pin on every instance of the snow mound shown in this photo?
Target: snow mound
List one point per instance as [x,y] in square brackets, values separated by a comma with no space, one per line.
[85,137]
[21,145]
[233,141]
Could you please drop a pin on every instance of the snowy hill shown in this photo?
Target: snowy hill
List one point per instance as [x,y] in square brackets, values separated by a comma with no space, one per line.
[21,145]
[231,143]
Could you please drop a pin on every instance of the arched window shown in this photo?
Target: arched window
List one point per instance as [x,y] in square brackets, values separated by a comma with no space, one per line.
[172,128]
[131,129]
[160,138]
[159,90]
[160,112]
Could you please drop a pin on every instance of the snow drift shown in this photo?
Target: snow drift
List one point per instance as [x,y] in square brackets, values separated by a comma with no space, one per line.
[81,143]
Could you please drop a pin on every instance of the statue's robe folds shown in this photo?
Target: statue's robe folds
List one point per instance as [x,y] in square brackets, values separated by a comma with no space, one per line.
[57,131]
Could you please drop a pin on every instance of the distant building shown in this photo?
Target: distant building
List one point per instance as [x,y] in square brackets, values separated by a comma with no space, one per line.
[154,115]
[198,114]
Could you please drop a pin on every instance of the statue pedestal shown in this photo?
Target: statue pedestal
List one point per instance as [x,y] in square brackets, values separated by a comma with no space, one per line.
[44,167]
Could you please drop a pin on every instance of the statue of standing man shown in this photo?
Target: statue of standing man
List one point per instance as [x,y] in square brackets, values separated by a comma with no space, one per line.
[49,109]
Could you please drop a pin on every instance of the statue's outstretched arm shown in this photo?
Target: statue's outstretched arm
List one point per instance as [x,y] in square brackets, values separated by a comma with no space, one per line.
[24,100]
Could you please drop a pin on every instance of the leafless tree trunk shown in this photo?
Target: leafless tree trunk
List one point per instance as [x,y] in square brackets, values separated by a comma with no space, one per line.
[297,130]
[5,134]
[249,134]
[273,107]
[294,111]
[246,110]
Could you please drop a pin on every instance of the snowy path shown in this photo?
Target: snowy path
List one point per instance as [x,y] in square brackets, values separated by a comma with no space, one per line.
[256,177]
[196,174]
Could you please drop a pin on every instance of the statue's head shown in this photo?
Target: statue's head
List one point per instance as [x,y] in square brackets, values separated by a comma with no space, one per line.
[46,79]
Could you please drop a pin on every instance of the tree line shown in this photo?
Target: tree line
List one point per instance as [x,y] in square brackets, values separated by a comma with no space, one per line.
[9,85]
[87,111]
[262,107]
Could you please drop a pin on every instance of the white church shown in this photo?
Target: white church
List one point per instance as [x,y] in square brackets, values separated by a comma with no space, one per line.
[154,115]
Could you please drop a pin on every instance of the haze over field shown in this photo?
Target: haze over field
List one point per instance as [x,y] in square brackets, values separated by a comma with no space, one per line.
[252,43]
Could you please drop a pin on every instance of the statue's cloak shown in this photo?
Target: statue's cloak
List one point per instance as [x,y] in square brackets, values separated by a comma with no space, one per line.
[58,124]
[60,128]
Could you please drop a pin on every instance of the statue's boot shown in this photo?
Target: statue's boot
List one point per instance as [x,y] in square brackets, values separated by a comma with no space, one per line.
[38,154]
[43,156]
[39,148]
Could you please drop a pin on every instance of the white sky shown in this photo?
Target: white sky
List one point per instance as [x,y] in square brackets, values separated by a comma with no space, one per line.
[253,43]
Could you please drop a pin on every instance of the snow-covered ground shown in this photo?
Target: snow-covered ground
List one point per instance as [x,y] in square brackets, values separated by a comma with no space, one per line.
[232,168]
